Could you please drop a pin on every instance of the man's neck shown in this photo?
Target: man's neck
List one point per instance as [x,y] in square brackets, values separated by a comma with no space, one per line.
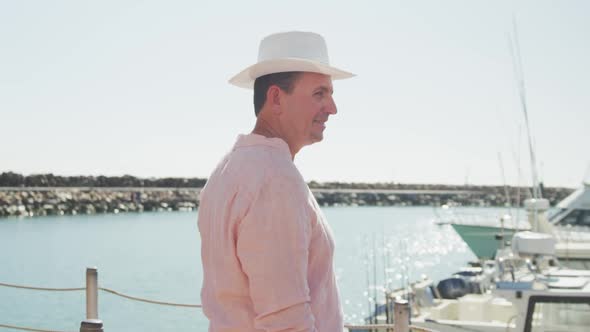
[264,128]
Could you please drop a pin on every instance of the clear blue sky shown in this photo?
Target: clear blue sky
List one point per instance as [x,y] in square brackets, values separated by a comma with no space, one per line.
[140,87]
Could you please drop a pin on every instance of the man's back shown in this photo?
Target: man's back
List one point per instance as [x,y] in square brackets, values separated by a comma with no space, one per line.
[266,250]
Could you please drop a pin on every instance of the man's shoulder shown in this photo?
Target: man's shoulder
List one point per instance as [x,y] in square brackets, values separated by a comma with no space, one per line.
[270,161]
[250,169]
[246,167]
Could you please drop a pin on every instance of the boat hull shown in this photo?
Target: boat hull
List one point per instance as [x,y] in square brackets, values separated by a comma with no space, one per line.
[483,243]
[482,240]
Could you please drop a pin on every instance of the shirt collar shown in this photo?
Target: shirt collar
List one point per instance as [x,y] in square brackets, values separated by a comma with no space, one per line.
[255,139]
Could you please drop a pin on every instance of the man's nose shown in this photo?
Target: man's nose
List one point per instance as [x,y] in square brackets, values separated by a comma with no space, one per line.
[331,107]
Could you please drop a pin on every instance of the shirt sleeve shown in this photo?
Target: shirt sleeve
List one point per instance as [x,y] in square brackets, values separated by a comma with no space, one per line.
[273,248]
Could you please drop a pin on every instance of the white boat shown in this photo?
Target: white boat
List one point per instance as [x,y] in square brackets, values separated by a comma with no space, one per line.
[569,225]
[523,290]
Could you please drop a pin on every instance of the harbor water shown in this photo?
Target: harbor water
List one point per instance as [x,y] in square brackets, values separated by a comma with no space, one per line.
[157,256]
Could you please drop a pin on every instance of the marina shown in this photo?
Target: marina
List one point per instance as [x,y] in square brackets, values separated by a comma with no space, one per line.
[456,192]
[156,256]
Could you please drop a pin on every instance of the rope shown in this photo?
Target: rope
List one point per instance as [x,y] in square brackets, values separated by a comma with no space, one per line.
[27,328]
[134,298]
[149,301]
[108,290]
[44,288]
[39,289]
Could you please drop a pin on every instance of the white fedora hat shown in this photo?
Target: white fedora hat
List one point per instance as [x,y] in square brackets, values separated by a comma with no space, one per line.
[289,51]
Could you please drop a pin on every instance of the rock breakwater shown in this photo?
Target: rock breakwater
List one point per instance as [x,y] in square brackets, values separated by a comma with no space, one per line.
[28,202]
[48,194]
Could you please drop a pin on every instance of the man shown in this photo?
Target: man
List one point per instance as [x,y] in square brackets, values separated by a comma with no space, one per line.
[266,248]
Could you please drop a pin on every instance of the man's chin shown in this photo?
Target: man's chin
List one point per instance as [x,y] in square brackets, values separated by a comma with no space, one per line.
[317,138]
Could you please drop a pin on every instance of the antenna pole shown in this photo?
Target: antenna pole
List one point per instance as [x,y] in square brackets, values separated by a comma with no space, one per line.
[516,59]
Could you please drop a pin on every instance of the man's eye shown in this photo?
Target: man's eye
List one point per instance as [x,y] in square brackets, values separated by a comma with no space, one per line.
[319,93]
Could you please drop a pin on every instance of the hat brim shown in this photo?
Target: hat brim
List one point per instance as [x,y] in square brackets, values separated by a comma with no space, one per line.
[246,78]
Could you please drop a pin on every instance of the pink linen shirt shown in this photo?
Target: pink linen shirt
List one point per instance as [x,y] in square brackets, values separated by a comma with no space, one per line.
[266,249]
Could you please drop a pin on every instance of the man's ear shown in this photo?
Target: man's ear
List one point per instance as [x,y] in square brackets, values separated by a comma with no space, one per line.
[273,98]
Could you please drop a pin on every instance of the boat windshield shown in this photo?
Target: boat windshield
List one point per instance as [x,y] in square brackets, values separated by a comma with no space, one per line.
[576,218]
[557,314]
[556,215]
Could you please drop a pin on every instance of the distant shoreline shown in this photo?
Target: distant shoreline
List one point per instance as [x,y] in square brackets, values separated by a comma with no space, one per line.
[47,201]
[48,194]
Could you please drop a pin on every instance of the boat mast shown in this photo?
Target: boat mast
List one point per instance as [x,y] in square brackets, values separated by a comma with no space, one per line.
[519,74]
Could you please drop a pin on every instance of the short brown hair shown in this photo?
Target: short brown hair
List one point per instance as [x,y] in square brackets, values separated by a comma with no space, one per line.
[285,81]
